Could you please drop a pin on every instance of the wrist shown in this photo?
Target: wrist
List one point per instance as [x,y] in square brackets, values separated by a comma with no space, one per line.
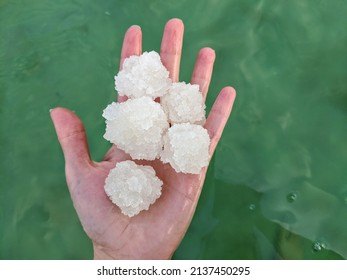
[102,254]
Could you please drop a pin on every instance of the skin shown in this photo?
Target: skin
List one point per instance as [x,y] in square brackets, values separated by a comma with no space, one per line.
[156,233]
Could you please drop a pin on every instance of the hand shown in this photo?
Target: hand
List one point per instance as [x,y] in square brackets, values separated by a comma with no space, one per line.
[156,233]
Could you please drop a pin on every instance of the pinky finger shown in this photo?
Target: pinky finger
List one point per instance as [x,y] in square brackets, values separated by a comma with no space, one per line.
[219,115]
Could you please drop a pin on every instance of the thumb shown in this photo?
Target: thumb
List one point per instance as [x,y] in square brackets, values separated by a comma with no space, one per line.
[72,137]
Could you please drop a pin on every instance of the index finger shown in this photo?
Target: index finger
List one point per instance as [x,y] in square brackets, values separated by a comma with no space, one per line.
[132,45]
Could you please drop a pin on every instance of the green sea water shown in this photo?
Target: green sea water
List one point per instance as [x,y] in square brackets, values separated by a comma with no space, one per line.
[277,185]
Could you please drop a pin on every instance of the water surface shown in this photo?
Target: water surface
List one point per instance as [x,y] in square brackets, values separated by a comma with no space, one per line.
[277,185]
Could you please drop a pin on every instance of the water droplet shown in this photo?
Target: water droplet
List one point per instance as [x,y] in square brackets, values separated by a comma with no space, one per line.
[291,197]
[318,246]
[251,207]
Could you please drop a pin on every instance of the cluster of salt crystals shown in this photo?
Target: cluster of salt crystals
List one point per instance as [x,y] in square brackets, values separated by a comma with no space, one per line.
[136,126]
[132,187]
[184,104]
[140,126]
[143,75]
[186,147]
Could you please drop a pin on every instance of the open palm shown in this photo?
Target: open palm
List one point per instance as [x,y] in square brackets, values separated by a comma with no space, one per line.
[156,233]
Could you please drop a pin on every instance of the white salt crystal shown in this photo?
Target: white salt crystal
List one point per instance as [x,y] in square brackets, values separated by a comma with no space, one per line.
[132,187]
[140,127]
[143,75]
[184,103]
[186,148]
[136,126]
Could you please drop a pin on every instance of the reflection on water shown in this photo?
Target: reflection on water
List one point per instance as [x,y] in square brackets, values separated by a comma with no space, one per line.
[277,186]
